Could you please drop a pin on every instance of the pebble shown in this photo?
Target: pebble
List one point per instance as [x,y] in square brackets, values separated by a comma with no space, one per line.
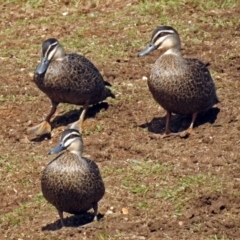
[109,212]
[180,223]
[125,211]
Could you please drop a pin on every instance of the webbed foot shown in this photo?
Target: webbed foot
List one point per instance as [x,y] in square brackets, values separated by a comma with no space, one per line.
[40,129]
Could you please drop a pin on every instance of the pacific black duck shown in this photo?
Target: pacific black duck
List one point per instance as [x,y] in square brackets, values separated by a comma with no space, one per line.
[180,85]
[71,182]
[67,78]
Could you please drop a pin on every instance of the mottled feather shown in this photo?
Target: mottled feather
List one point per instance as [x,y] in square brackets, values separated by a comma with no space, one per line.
[73,80]
[182,85]
[71,184]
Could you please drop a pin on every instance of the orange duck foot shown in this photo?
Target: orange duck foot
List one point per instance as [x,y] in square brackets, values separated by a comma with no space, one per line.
[40,129]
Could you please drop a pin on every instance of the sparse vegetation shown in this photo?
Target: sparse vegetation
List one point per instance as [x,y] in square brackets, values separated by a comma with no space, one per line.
[172,188]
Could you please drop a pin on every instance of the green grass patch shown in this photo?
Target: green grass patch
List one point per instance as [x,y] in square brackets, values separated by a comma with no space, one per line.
[191,187]
[95,129]
[152,180]
[18,216]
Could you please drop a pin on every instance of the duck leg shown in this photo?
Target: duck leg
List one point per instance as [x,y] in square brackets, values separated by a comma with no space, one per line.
[184,133]
[168,131]
[190,129]
[60,213]
[79,124]
[44,127]
[95,209]
[95,219]
[168,120]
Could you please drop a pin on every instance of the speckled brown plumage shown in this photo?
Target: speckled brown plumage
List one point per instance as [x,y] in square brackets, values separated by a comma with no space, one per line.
[67,78]
[74,80]
[71,182]
[180,85]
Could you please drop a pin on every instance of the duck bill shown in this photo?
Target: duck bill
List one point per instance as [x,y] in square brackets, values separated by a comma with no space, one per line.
[151,47]
[43,66]
[60,147]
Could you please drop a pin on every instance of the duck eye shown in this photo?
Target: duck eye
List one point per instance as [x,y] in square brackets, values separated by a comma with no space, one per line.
[51,47]
[71,136]
[163,34]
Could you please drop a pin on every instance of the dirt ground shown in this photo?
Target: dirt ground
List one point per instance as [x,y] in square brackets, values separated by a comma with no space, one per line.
[174,188]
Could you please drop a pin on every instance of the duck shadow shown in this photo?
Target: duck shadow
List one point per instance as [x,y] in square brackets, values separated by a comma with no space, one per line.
[181,122]
[73,115]
[73,221]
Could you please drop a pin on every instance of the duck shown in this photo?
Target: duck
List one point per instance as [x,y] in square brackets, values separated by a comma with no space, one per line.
[67,78]
[71,182]
[180,85]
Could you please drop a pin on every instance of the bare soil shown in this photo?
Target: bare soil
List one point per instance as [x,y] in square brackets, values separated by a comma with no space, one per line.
[119,135]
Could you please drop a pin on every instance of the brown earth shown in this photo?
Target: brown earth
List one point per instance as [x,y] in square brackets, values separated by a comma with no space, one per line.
[118,135]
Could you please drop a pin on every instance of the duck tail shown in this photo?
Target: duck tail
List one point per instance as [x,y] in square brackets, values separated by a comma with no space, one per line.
[107,83]
[207,64]
[109,93]
[106,93]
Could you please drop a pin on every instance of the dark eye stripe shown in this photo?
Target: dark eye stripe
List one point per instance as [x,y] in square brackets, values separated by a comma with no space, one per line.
[51,48]
[161,34]
[71,136]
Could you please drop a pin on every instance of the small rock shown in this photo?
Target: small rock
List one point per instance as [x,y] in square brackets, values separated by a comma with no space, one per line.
[180,223]
[24,140]
[125,211]
[207,139]
[189,214]
[109,132]
[109,212]
[134,160]
[31,74]
[217,162]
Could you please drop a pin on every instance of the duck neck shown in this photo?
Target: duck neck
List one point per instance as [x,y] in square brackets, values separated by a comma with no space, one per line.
[78,153]
[173,51]
[59,54]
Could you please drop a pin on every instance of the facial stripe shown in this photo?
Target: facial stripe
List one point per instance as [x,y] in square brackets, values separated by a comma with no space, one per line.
[160,34]
[160,40]
[51,50]
[70,136]
[68,142]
